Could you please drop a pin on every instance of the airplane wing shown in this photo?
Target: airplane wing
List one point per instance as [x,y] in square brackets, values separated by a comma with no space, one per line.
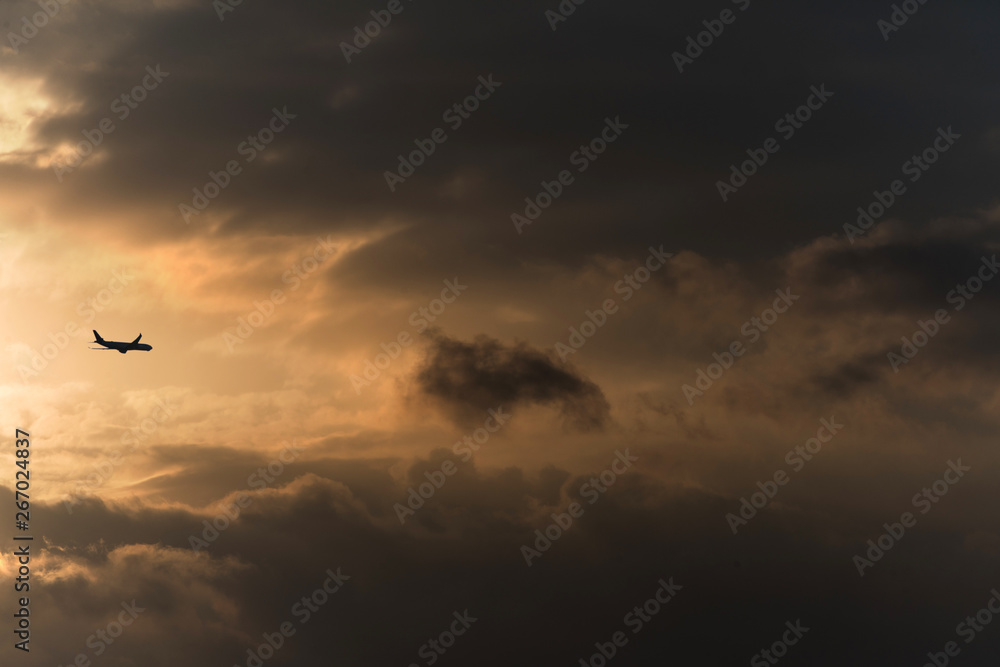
[136,340]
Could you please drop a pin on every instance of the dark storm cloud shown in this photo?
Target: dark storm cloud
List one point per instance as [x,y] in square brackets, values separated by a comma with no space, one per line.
[470,378]
[793,561]
[848,377]
[477,500]
[684,129]
[903,278]
[905,274]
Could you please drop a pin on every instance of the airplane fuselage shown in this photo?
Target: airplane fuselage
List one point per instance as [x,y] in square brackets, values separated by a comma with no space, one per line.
[126,347]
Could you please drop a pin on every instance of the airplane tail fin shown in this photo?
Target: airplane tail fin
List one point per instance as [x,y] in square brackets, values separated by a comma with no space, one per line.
[97,336]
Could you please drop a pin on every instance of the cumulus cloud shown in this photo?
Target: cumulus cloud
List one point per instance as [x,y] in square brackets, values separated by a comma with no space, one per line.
[792,561]
[470,378]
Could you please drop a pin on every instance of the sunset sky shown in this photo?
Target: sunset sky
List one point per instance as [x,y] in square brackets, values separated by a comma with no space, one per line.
[713,312]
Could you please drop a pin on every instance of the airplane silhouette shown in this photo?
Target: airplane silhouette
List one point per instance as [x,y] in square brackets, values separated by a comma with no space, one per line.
[121,347]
